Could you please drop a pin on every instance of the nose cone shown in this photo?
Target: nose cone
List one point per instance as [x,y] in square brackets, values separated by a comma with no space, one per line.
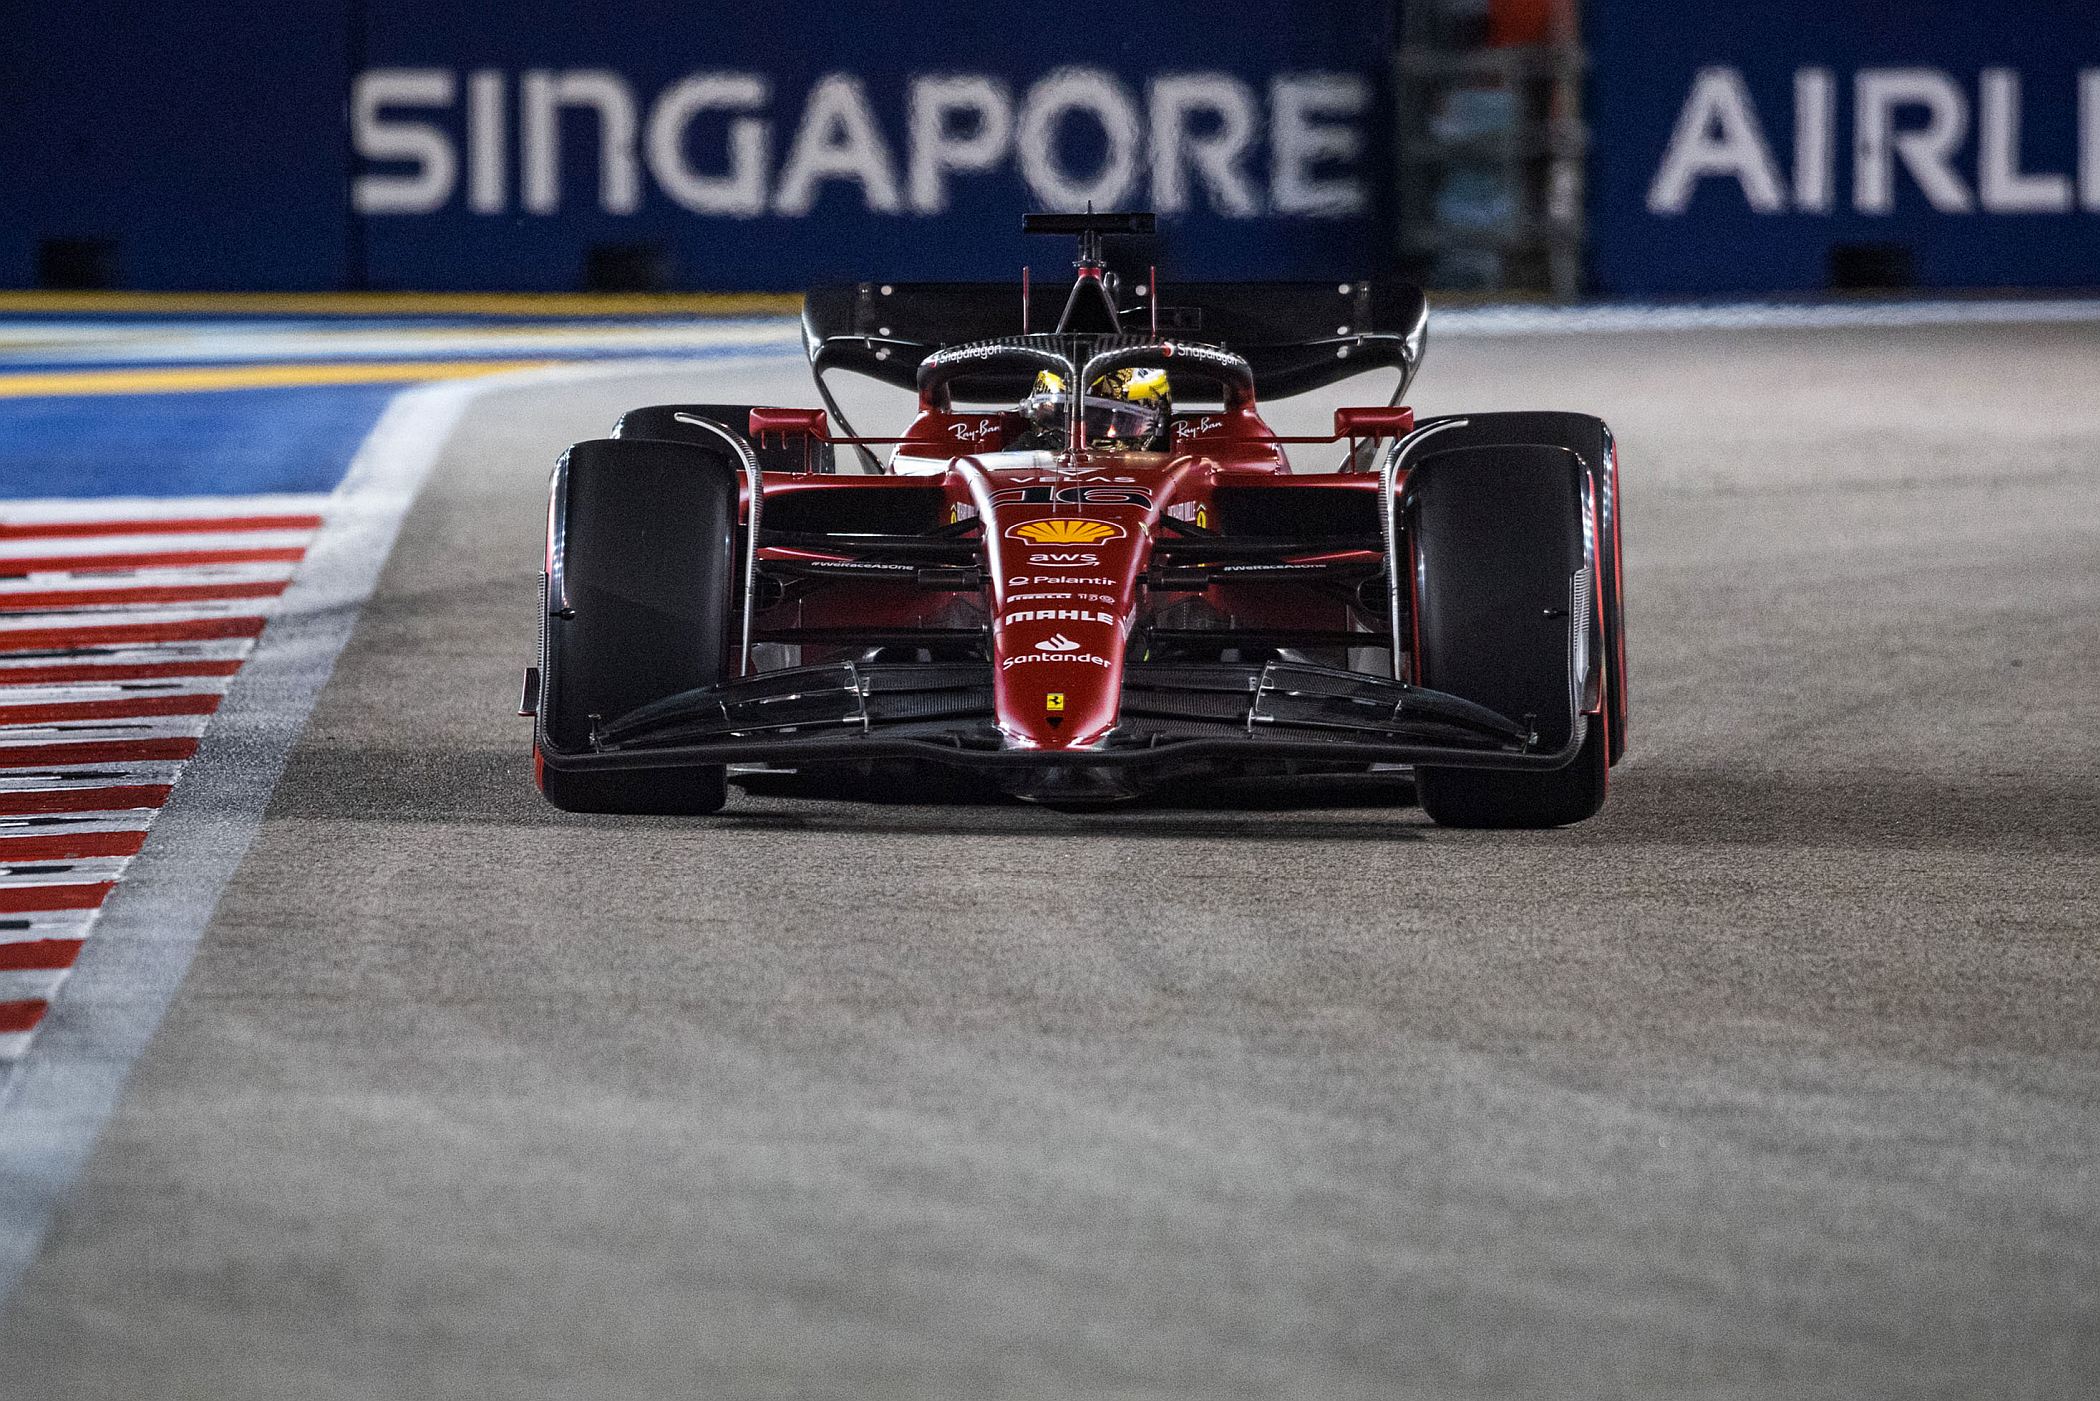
[1065,552]
[1062,616]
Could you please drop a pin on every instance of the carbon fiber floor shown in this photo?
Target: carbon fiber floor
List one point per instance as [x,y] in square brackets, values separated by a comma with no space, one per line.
[1780,1078]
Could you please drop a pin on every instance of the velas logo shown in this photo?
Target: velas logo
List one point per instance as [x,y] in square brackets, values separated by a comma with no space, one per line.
[1065,530]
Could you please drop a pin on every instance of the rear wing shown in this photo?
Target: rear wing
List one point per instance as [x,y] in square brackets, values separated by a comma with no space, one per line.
[1296,336]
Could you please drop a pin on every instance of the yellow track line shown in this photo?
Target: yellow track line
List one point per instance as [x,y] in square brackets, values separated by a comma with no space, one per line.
[207,377]
[545,304]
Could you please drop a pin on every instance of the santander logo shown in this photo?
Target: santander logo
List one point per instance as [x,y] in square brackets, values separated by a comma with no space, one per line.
[1060,649]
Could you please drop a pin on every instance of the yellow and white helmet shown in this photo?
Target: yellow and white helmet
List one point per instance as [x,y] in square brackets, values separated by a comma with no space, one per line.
[1125,409]
[1134,386]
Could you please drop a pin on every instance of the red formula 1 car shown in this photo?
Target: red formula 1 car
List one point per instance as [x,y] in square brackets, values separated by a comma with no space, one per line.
[1086,568]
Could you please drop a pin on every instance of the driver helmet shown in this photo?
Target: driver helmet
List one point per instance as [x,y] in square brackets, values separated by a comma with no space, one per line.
[1126,410]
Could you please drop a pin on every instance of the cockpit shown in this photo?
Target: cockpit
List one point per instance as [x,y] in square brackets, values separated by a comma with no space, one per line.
[1126,410]
[1019,395]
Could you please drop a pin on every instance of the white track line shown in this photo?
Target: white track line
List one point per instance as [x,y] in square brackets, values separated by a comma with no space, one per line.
[83,577]
[214,652]
[33,929]
[34,735]
[20,551]
[77,775]
[56,692]
[62,824]
[44,510]
[63,869]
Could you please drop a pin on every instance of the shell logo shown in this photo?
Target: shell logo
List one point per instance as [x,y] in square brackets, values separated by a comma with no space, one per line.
[1065,530]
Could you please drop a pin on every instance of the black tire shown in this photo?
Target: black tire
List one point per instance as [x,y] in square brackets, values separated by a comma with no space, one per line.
[638,608]
[775,454]
[1591,440]
[1496,534]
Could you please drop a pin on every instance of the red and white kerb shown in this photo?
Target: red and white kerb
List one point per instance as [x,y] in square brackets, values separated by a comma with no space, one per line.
[120,631]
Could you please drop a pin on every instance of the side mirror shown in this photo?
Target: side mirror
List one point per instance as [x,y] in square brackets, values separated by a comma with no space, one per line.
[790,423]
[1370,423]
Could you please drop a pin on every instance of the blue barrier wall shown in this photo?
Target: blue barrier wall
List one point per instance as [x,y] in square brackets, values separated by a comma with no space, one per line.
[398,144]
[1762,147]
[205,138]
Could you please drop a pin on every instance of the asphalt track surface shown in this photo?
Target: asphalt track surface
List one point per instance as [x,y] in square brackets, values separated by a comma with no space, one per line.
[1782,1077]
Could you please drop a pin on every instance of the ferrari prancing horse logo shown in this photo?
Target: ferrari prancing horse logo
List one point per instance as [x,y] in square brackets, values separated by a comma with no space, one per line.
[1065,530]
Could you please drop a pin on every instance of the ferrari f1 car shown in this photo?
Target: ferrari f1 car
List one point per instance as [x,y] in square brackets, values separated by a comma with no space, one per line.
[1086,568]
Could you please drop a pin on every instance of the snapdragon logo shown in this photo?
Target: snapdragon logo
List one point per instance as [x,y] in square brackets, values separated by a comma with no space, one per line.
[727,144]
[1918,119]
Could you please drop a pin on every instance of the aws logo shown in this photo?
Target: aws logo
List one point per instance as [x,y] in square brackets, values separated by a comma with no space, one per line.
[1065,530]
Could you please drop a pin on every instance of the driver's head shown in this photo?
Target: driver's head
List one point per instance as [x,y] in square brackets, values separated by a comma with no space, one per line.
[1045,405]
[1125,409]
[1134,386]
[1138,410]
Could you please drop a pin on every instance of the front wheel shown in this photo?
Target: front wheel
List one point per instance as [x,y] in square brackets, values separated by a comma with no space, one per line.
[1591,440]
[639,571]
[1503,607]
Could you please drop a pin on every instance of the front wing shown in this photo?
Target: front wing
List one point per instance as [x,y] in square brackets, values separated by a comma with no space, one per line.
[1173,715]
